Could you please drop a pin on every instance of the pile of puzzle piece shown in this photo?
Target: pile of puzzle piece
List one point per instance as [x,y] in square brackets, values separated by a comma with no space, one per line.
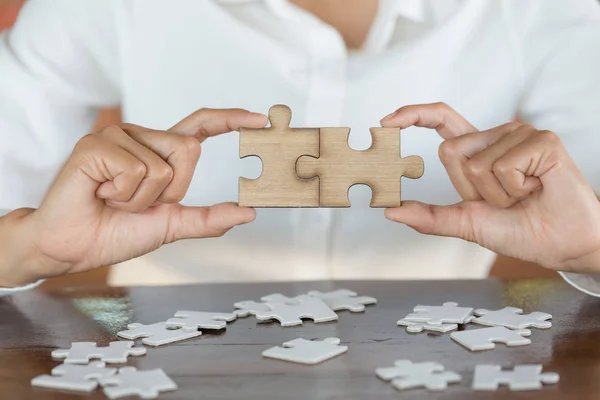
[507,325]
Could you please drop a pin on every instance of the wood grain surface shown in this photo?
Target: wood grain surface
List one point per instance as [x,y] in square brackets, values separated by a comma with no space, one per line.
[228,364]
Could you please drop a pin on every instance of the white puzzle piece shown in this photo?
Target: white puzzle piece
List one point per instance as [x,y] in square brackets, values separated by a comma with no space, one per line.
[416,327]
[83,352]
[278,298]
[307,351]
[408,375]
[513,318]
[131,382]
[449,313]
[485,338]
[200,320]
[522,377]
[290,315]
[81,378]
[249,307]
[158,334]
[344,299]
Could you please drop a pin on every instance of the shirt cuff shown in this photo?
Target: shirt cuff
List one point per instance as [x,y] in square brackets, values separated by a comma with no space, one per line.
[587,283]
[9,291]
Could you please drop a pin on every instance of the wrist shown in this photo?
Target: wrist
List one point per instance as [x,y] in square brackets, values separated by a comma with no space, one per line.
[21,261]
[588,264]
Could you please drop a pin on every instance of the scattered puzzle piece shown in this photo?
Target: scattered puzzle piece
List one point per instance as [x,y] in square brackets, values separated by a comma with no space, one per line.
[416,327]
[513,318]
[83,352]
[249,307]
[484,339]
[522,377]
[344,299]
[339,167]
[158,334]
[307,351]
[407,375]
[288,313]
[279,298]
[82,378]
[279,146]
[449,312]
[131,382]
[200,320]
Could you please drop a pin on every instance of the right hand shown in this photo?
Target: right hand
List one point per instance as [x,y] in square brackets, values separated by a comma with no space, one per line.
[117,198]
[523,196]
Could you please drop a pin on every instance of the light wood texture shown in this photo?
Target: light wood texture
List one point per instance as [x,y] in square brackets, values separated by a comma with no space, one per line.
[339,167]
[279,146]
[228,364]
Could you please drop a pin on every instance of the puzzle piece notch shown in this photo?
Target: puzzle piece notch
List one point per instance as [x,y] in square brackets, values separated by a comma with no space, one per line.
[522,377]
[200,320]
[279,147]
[157,334]
[304,351]
[81,378]
[485,338]
[408,375]
[131,382]
[513,318]
[417,327]
[339,167]
[344,299]
[448,312]
[83,352]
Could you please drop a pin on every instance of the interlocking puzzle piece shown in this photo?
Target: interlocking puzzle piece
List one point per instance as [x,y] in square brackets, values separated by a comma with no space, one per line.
[200,320]
[307,351]
[416,327]
[484,339]
[158,334]
[407,375]
[522,377]
[288,314]
[130,382]
[82,378]
[278,298]
[513,318]
[339,167]
[449,312]
[344,299]
[83,352]
[279,146]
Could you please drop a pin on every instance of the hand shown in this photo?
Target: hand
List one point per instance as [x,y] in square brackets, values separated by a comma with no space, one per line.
[117,198]
[523,195]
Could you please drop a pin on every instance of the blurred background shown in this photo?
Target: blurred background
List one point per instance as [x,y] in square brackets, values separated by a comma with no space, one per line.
[503,268]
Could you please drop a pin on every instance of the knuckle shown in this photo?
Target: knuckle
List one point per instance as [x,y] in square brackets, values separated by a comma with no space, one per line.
[163,173]
[138,169]
[190,145]
[88,141]
[501,167]
[474,170]
[549,137]
[447,150]
[111,131]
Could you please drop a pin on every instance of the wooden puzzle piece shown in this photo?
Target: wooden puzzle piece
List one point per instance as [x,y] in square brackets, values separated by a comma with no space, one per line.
[339,167]
[279,147]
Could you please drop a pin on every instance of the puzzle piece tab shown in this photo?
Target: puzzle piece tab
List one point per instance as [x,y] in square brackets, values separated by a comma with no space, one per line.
[344,299]
[81,378]
[522,377]
[131,382]
[200,320]
[416,327]
[158,334]
[485,338]
[279,146]
[449,312]
[339,167]
[307,351]
[512,318]
[83,352]
[408,375]
[288,313]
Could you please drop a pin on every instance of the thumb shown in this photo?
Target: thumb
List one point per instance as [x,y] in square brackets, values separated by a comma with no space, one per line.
[206,222]
[452,221]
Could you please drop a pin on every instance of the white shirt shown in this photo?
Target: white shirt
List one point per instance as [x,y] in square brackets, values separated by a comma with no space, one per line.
[489,59]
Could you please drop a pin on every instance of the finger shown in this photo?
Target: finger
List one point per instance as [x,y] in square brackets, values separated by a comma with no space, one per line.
[453,220]
[439,116]
[179,151]
[455,154]
[204,222]
[158,172]
[480,168]
[208,122]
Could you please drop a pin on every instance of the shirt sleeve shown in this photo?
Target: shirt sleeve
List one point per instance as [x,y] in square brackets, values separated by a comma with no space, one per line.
[587,283]
[9,291]
[59,65]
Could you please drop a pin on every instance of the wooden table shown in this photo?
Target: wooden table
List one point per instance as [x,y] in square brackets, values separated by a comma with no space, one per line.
[228,364]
